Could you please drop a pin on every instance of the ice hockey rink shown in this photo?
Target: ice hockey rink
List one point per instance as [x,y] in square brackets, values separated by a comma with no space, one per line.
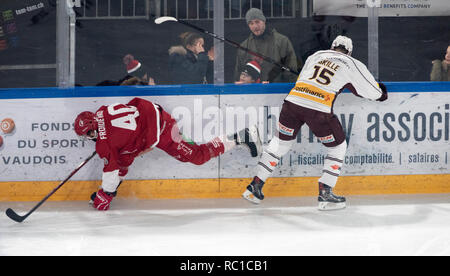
[283,226]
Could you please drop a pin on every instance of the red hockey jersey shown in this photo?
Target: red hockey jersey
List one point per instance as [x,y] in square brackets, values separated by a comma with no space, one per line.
[125,131]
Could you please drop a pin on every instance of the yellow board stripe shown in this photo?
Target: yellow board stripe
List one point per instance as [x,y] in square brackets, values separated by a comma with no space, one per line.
[229,187]
[310,92]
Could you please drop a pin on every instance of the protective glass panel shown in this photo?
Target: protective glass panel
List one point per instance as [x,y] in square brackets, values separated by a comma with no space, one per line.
[27,43]
[113,37]
[414,40]
[293,30]
[118,40]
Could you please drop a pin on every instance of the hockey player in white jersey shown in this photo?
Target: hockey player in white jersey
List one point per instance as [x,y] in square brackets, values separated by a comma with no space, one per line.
[324,76]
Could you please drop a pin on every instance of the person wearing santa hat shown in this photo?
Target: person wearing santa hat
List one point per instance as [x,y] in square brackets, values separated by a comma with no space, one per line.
[251,73]
[135,69]
[136,74]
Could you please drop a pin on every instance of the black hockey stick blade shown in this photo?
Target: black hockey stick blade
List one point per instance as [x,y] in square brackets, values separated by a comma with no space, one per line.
[14,216]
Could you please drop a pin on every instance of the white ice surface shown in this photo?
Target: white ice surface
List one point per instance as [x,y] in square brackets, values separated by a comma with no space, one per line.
[371,225]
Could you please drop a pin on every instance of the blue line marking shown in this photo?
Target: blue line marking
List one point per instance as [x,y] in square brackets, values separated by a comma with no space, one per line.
[195,89]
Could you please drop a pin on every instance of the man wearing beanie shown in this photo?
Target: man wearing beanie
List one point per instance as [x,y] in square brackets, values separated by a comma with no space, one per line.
[270,43]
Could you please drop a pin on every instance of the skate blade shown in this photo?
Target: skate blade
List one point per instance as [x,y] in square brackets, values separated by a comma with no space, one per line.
[250,197]
[327,206]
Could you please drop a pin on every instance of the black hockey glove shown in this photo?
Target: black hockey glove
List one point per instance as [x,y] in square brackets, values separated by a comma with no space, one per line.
[385,93]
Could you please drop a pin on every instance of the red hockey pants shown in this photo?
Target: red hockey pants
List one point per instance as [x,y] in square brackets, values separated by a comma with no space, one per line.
[172,142]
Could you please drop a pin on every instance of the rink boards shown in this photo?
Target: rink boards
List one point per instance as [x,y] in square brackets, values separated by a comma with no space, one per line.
[400,146]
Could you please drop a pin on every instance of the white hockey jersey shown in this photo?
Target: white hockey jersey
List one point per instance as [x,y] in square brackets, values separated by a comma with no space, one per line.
[326,74]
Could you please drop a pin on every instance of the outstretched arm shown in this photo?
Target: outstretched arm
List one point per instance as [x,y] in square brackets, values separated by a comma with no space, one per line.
[363,81]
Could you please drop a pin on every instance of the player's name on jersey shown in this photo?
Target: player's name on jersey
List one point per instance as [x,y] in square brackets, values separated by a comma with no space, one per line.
[101,125]
[329,64]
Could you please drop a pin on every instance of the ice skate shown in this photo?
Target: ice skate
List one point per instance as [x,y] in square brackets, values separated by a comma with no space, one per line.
[250,138]
[254,193]
[328,200]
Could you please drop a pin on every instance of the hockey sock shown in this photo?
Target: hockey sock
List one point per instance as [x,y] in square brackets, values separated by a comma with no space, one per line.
[333,164]
[271,156]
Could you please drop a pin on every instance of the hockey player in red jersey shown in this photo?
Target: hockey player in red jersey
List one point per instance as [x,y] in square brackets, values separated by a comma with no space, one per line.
[324,76]
[124,131]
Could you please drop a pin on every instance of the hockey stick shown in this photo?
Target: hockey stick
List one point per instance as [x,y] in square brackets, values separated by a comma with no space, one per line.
[163,19]
[14,216]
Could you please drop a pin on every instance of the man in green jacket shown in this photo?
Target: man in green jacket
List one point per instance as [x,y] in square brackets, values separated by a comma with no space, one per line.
[441,68]
[270,43]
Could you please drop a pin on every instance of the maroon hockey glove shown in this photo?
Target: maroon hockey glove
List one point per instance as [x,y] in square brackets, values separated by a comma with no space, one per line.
[385,94]
[102,200]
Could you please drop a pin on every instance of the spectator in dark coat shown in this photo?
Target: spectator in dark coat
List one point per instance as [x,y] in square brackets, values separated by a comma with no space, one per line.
[189,62]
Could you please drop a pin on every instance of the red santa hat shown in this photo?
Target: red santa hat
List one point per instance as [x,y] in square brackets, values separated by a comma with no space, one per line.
[253,69]
[132,64]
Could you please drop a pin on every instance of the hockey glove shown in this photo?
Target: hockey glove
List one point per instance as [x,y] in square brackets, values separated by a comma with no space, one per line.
[102,200]
[385,94]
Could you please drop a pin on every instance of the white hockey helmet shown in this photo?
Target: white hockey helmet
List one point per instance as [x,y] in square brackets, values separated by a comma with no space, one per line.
[343,41]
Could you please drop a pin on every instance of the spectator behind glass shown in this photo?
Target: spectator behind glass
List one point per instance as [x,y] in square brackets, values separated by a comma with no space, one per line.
[251,73]
[189,62]
[134,81]
[134,69]
[270,43]
[440,70]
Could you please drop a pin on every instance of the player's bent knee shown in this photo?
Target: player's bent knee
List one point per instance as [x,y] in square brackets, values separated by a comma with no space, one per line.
[279,147]
[199,162]
[200,157]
